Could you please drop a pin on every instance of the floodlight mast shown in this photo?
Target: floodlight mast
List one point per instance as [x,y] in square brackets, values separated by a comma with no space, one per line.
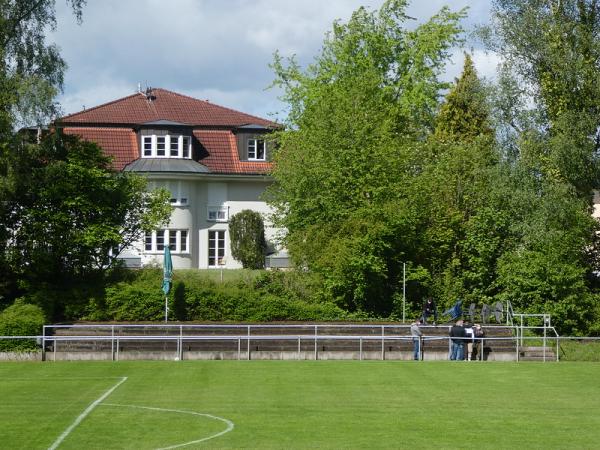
[403,292]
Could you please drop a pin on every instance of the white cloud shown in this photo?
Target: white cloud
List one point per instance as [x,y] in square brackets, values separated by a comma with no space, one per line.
[204,48]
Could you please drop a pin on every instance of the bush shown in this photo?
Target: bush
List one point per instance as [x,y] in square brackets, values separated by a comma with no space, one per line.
[249,297]
[248,244]
[21,319]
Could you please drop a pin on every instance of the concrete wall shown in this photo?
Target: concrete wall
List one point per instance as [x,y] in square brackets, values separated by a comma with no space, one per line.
[260,355]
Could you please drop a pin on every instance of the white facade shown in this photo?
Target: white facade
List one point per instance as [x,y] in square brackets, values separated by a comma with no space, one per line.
[199,227]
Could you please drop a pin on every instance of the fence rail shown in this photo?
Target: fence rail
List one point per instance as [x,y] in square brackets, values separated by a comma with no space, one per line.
[306,341]
[306,346]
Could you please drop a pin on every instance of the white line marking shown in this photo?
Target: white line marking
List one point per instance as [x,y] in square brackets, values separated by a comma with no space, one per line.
[84,414]
[229,423]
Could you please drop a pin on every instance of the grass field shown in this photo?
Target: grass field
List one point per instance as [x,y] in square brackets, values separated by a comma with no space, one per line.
[298,405]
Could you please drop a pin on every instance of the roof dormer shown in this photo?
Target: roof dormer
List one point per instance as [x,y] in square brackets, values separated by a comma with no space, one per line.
[165,139]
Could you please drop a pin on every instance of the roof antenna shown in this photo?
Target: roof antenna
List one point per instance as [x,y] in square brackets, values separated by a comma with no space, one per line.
[149,94]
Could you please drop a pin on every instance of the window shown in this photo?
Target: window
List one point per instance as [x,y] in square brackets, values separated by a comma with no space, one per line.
[160,240]
[185,149]
[183,241]
[154,242]
[218,213]
[174,147]
[179,201]
[147,145]
[148,242]
[178,189]
[160,145]
[216,248]
[256,149]
[167,146]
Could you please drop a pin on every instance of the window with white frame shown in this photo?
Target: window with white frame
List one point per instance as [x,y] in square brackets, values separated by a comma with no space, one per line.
[148,146]
[257,149]
[179,201]
[177,240]
[178,189]
[167,146]
[218,213]
[216,248]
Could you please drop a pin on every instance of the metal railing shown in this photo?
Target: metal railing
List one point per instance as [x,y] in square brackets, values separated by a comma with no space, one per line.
[546,330]
[307,346]
[510,314]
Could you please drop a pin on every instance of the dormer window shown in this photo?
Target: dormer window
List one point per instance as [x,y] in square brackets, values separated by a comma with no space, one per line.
[257,149]
[160,145]
[167,146]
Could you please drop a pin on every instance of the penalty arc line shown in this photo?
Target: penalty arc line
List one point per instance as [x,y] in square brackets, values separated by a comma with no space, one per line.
[84,414]
[229,423]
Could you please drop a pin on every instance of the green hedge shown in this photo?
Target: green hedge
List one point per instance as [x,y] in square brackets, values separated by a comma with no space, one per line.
[21,319]
[249,296]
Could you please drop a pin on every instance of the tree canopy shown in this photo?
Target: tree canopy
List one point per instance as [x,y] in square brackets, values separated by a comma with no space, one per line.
[64,213]
[484,193]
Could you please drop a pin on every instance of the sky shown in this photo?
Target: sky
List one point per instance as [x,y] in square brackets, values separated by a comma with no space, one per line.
[216,50]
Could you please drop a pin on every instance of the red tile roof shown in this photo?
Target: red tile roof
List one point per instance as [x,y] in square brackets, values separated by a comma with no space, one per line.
[223,154]
[99,125]
[136,109]
[120,143]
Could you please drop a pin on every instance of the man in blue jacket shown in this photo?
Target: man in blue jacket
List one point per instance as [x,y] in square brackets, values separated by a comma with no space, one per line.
[458,335]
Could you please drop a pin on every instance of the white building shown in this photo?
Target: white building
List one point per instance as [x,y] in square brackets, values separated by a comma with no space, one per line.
[213,160]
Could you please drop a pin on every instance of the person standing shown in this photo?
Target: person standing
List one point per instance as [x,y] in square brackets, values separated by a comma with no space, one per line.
[457,335]
[470,334]
[429,309]
[479,335]
[416,334]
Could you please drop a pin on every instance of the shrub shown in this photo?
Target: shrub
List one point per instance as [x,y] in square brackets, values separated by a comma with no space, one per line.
[247,231]
[21,319]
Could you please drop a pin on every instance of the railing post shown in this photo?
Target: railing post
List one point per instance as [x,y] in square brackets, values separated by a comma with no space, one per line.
[316,345]
[360,349]
[117,348]
[44,343]
[521,330]
[299,348]
[544,342]
[383,342]
[112,343]
[180,342]
[248,345]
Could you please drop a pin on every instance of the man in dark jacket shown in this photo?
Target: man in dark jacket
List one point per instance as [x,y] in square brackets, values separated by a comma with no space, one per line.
[429,309]
[457,335]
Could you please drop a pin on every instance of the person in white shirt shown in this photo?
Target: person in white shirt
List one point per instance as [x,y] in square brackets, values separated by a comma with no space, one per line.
[470,340]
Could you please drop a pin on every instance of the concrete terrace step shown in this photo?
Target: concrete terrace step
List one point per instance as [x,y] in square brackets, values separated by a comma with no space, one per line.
[537,354]
[268,339]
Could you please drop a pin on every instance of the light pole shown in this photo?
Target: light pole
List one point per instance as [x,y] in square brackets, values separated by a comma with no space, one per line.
[403,292]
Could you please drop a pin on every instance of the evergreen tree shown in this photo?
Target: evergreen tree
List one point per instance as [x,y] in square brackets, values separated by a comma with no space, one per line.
[465,114]
[248,245]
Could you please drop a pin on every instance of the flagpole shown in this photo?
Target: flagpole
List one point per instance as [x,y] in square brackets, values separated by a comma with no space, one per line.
[167,278]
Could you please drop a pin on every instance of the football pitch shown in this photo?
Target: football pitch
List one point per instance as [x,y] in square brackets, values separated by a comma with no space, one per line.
[298,405]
